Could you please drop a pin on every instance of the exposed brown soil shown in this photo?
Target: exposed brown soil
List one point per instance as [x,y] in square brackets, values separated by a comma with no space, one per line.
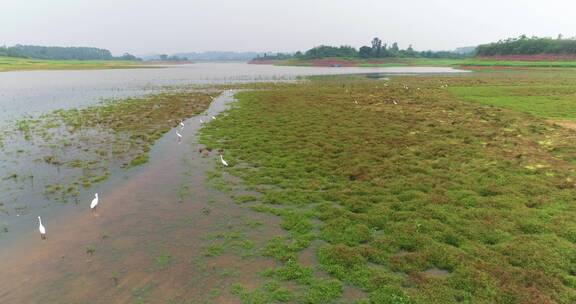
[568,124]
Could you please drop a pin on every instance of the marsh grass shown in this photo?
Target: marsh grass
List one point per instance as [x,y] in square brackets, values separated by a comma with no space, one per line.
[482,194]
[90,143]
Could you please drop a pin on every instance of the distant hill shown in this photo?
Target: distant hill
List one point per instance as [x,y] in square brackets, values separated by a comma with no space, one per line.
[210,56]
[466,50]
[219,56]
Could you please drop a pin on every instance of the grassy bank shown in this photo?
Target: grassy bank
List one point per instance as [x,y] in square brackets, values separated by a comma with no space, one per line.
[25,64]
[545,94]
[390,62]
[414,195]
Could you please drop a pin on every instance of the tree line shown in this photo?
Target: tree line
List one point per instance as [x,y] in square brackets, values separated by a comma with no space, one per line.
[61,53]
[524,45]
[376,49]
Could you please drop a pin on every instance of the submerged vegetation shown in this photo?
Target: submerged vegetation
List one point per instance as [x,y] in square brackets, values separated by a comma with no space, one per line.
[91,142]
[407,190]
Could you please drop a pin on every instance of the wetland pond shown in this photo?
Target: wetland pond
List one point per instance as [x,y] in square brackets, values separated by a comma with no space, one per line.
[167,229]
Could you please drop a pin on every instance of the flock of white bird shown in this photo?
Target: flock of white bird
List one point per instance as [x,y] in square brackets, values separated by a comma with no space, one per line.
[42,228]
[94,202]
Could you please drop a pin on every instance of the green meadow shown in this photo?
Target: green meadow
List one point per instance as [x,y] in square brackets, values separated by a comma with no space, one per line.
[426,189]
[18,64]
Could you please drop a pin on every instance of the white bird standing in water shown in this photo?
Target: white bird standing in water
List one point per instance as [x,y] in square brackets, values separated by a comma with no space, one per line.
[201,121]
[213,117]
[223,161]
[94,202]
[181,124]
[42,229]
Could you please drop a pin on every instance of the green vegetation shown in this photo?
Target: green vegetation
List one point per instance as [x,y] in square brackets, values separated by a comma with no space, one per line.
[163,261]
[524,45]
[554,101]
[413,195]
[61,53]
[513,52]
[18,64]
[375,50]
[139,295]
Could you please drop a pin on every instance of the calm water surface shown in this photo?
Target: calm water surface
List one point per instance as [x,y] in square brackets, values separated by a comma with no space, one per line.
[35,92]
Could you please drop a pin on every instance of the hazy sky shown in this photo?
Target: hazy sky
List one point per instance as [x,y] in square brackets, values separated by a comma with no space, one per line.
[169,26]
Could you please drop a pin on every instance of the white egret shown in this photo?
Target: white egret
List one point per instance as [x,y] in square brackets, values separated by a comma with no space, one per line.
[42,229]
[395,102]
[179,137]
[223,161]
[213,117]
[94,202]
[201,121]
[211,97]
[181,124]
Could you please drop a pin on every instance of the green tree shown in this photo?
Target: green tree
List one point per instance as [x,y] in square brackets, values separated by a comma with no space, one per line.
[365,52]
[376,47]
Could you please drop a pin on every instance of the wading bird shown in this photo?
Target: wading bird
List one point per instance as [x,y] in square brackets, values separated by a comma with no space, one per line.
[213,117]
[182,124]
[94,202]
[42,229]
[223,161]
[201,121]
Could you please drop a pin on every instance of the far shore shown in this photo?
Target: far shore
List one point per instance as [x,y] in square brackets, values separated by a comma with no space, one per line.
[28,64]
[498,62]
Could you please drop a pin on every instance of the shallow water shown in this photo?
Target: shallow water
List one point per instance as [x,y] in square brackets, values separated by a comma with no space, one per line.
[146,242]
[35,92]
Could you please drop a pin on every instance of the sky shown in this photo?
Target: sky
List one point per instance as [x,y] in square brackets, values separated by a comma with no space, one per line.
[170,26]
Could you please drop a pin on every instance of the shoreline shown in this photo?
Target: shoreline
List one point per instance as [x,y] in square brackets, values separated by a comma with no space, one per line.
[16,64]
